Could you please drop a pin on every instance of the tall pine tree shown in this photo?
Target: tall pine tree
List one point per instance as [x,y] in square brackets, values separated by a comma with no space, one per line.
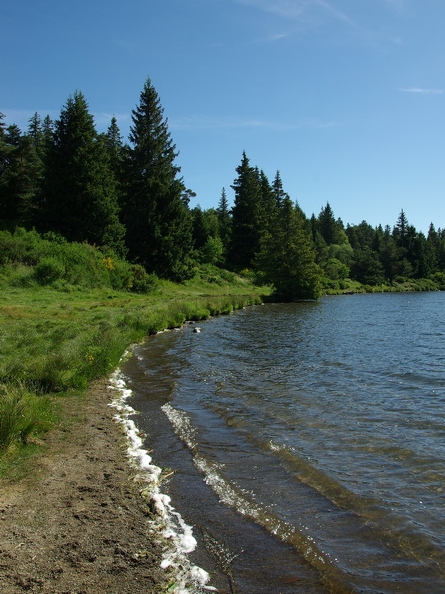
[79,200]
[19,177]
[225,222]
[246,216]
[156,215]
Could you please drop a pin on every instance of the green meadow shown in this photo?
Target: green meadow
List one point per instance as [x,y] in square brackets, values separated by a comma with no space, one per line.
[63,324]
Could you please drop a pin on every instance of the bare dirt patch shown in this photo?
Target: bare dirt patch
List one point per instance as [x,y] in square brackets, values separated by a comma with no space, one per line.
[78,524]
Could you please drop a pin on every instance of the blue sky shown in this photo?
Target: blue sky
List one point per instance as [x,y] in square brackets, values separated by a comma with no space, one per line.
[346,98]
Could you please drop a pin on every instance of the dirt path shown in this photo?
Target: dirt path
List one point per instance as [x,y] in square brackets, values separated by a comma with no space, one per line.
[79,525]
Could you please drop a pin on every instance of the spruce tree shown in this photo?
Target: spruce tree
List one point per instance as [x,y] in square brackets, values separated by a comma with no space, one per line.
[6,154]
[21,169]
[433,248]
[157,218]
[267,206]
[400,231]
[246,216]
[286,258]
[366,267]
[278,190]
[225,222]
[79,200]
[388,254]
[115,148]
[328,226]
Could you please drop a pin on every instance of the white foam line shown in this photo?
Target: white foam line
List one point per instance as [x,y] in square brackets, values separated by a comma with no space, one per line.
[189,579]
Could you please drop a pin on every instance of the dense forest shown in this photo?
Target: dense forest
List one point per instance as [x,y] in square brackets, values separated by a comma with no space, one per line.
[68,183]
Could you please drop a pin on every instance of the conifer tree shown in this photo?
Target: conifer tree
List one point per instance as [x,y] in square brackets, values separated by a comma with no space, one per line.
[117,153]
[400,231]
[328,226]
[79,200]
[433,247]
[278,190]
[115,147]
[200,229]
[158,221]
[47,132]
[20,171]
[225,222]
[246,216]
[5,160]
[388,254]
[267,205]
[366,267]
[286,259]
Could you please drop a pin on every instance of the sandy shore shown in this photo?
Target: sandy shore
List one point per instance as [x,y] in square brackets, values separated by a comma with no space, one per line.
[79,524]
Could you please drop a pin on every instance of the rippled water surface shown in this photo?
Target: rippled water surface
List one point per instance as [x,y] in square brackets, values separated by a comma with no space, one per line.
[308,442]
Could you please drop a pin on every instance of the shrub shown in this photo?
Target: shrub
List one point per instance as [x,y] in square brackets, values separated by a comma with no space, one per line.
[48,270]
[141,282]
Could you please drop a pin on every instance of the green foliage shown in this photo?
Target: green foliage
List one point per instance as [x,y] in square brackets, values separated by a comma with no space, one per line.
[336,270]
[331,230]
[224,222]
[79,186]
[439,279]
[158,222]
[48,270]
[286,259]
[366,267]
[211,252]
[27,259]
[141,281]
[79,196]
[20,174]
[55,342]
[22,415]
[246,216]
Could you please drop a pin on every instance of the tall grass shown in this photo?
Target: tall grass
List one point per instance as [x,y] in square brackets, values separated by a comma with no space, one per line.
[21,414]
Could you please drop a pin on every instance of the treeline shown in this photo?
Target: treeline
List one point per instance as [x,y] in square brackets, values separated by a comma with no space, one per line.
[71,183]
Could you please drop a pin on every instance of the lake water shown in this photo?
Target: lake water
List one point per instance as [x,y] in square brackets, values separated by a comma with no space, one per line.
[307,442]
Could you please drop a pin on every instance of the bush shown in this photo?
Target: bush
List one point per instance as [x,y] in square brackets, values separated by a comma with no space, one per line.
[141,282]
[48,270]
[439,279]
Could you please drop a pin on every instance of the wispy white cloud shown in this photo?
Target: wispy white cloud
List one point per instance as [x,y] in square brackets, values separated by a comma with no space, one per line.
[278,36]
[336,13]
[304,11]
[21,117]
[209,123]
[423,91]
[283,8]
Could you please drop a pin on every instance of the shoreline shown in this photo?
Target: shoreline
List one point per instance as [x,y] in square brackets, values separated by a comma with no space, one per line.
[80,523]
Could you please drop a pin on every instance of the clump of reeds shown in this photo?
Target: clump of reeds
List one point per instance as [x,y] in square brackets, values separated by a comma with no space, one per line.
[22,415]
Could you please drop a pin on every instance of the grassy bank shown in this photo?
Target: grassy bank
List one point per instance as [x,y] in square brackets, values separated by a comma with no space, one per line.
[401,285]
[53,343]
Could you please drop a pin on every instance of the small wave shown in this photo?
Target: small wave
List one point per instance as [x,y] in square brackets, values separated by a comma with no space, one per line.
[230,494]
[396,531]
[190,579]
